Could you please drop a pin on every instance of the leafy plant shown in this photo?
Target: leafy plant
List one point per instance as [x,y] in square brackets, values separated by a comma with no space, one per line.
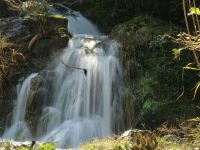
[194,10]
[105,144]
[189,41]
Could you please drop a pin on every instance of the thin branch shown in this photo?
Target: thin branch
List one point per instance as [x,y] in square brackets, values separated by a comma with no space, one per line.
[68,66]
[185,16]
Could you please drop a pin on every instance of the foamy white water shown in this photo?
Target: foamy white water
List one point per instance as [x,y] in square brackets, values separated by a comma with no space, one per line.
[85,100]
[19,127]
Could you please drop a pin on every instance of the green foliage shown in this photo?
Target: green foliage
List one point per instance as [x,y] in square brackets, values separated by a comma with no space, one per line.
[176,53]
[105,144]
[108,13]
[23,148]
[194,10]
[47,146]
[189,41]
[152,76]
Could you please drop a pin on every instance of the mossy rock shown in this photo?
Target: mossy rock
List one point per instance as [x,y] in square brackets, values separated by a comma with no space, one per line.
[138,37]
[152,75]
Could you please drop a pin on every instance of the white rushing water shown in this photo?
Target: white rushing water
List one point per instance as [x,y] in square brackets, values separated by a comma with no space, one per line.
[84,102]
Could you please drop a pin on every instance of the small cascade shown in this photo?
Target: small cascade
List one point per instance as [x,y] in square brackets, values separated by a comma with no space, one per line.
[77,24]
[84,100]
[19,127]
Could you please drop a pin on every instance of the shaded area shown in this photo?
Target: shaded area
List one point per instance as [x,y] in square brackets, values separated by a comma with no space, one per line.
[153,77]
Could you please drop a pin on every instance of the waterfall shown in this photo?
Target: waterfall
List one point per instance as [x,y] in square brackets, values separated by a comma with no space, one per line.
[84,99]
[19,127]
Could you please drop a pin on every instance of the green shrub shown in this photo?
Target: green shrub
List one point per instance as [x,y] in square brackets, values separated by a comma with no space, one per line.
[152,76]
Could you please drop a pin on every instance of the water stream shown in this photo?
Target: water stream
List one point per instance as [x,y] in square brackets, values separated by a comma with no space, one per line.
[84,101]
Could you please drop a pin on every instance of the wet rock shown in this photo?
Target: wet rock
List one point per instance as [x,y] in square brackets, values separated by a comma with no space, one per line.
[38,92]
[19,31]
[140,139]
[4,9]
[39,95]
[17,28]
[41,88]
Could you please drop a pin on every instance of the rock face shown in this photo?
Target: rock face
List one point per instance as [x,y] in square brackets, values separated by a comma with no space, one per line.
[140,139]
[4,9]
[41,86]
[20,32]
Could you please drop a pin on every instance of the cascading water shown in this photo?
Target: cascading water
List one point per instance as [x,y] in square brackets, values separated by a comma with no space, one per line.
[84,100]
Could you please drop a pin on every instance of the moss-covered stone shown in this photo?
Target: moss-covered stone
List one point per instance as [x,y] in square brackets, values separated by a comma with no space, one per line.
[139,37]
[152,75]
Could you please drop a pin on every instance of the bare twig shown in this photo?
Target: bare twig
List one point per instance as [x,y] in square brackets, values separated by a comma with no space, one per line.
[68,66]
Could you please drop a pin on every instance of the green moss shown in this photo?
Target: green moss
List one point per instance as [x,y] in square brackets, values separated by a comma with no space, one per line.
[105,144]
[23,148]
[47,146]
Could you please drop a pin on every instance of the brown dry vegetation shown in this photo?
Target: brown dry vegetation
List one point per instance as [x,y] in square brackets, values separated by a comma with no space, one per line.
[190,40]
[8,57]
[185,136]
